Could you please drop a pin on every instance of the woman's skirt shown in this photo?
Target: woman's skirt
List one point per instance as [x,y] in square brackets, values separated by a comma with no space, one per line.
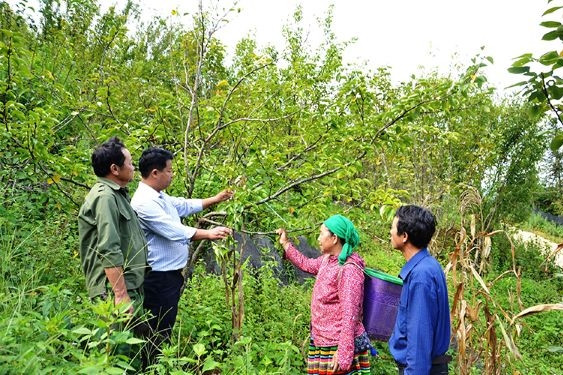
[319,361]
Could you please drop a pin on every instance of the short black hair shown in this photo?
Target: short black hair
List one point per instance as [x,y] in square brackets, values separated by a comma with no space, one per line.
[153,158]
[108,153]
[418,222]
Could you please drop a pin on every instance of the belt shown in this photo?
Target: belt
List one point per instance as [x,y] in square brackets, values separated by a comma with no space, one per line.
[442,359]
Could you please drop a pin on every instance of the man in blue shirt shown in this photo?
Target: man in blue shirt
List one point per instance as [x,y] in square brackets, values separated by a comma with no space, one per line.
[421,335]
[168,239]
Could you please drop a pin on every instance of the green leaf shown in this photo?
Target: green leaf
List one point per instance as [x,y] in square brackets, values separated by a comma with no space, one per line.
[555,92]
[550,24]
[90,370]
[521,83]
[549,58]
[536,95]
[551,10]
[552,35]
[519,69]
[524,56]
[134,340]
[523,61]
[114,370]
[535,110]
[125,365]
[82,331]
[209,364]
[199,349]
[556,142]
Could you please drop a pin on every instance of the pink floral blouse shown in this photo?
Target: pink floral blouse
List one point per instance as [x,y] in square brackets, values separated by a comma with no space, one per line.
[336,304]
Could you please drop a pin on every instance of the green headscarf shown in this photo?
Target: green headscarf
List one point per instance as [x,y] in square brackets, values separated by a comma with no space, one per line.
[343,228]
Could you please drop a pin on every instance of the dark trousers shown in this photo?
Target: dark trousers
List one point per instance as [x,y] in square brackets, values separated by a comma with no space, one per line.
[438,369]
[162,294]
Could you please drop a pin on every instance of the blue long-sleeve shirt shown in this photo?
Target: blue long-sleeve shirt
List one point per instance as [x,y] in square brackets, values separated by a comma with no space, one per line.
[422,328]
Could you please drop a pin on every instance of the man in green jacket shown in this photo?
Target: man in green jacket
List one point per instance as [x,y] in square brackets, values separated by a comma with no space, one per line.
[113,249]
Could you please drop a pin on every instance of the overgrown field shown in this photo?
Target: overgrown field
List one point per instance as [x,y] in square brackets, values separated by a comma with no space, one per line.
[48,324]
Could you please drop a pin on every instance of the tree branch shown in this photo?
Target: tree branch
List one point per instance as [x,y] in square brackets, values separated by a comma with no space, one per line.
[232,90]
[216,130]
[400,117]
[297,183]
[75,183]
[331,171]
[544,89]
[297,156]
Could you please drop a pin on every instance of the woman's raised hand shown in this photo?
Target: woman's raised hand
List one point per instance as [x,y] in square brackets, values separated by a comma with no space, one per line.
[283,236]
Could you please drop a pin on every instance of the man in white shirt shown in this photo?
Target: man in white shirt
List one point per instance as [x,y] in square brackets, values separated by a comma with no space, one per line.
[167,238]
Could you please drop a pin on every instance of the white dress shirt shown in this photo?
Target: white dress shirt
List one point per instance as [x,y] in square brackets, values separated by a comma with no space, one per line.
[167,238]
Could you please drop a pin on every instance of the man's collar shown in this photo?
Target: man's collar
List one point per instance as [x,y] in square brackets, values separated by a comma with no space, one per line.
[112,184]
[407,268]
[147,189]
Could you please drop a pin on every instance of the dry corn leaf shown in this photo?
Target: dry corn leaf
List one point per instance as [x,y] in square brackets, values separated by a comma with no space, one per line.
[553,254]
[479,279]
[518,329]
[487,243]
[461,340]
[463,309]
[457,297]
[473,312]
[536,309]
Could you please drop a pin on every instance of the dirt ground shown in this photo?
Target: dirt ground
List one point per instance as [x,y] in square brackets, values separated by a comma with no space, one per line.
[552,249]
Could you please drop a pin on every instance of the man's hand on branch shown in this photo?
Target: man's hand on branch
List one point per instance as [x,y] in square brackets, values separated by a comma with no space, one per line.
[219,233]
[218,198]
[224,195]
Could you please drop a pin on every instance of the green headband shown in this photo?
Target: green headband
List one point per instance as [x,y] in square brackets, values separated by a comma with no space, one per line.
[343,228]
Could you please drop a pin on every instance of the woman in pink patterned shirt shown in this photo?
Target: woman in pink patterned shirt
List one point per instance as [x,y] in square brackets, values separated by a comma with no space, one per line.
[339,344]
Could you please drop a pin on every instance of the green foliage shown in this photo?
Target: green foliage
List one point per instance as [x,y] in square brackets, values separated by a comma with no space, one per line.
[50,325]
[275,323]
[513,178]
[47,321]
[543,86]
[549,199]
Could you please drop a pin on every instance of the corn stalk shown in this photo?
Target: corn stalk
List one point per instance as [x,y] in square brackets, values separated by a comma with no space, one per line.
[480,326]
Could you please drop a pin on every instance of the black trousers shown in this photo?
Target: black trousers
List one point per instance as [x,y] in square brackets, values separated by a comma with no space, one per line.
[438,369]
[162,294]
